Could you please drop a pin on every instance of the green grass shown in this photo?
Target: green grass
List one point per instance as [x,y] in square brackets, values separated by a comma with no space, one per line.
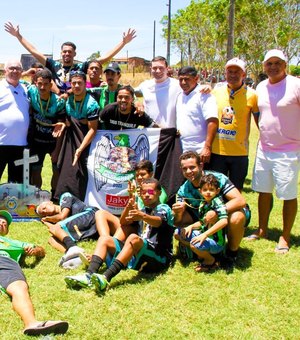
[258,299]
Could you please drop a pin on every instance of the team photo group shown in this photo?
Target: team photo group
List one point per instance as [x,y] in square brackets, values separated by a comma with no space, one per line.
[150,173]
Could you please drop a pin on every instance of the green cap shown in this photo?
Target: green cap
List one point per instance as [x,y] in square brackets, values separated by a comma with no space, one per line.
[6,215]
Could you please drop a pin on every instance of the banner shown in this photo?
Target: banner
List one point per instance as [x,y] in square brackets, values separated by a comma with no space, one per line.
[111,164]
[111,161]
[21,200]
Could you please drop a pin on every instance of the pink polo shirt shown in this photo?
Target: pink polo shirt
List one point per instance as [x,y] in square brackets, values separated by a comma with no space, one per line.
[279,120]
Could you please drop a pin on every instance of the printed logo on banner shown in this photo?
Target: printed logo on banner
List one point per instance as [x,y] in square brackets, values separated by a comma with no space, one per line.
[116,201]
[115,161]
[111,164]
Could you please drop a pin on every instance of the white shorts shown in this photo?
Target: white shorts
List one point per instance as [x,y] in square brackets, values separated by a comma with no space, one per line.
[279,170]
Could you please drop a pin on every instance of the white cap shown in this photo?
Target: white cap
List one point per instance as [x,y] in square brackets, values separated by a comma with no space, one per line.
[274,53]
[236,62]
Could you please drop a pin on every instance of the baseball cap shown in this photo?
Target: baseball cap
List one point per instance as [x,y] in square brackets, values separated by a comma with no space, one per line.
[6,215]
[236,62]
[113,67]
[274,53]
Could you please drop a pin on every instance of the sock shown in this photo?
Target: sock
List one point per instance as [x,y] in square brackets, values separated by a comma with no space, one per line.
[95,264]
[113,270]
[68,242]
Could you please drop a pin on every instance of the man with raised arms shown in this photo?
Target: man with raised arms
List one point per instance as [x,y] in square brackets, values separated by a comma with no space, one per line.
[61,71]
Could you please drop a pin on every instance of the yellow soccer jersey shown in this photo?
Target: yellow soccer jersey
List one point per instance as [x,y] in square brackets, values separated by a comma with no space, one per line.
[234,111]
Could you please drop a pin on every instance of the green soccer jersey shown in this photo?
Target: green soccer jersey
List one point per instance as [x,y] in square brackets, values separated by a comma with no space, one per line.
[12,248]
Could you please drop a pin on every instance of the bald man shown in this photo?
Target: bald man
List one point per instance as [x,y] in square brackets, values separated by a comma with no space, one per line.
[14,120]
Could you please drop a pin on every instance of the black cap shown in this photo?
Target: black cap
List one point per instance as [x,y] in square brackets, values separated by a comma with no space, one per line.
[113,67]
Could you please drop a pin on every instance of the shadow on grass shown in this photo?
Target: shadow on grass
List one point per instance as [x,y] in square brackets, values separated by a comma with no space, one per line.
[244,260]
[184,262]
[140,278]
[29,261]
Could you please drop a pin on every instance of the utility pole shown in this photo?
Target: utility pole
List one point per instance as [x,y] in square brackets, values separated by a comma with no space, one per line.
[230,39]
[154,30]
[169,33]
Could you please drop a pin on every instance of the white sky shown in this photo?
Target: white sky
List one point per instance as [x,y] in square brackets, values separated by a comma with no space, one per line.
[92,25]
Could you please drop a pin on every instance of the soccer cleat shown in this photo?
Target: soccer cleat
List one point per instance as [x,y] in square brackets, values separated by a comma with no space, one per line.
[79,281]
[71,253]
[99,282]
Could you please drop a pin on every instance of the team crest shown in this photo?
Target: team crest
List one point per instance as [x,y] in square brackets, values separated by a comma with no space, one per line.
[115,158]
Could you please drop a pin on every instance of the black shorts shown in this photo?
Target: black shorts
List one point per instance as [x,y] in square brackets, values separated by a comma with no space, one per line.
[234,167]
[10,271]
[81,226]
[41,150]
[9,154]
[148,261]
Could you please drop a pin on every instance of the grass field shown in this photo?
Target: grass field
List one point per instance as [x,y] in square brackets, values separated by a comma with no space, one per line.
[258,299]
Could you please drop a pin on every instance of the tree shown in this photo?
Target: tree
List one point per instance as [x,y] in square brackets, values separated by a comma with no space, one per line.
[259,25]
[94,55]
[295,70]
[207,36]
[278,29]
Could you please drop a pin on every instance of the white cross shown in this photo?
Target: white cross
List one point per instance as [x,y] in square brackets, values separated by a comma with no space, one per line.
[25,162]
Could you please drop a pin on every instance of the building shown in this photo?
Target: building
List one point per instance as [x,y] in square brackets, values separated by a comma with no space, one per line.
[28,59]
[134,63]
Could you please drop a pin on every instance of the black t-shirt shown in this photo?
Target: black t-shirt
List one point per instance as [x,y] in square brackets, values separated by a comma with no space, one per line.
[113,119]
[73,203]
[61,74]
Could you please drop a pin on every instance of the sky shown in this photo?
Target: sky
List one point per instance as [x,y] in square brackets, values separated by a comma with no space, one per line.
[92,25]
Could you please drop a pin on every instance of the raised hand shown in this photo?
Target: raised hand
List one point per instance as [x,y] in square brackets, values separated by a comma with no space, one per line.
[130,35]
[11,29]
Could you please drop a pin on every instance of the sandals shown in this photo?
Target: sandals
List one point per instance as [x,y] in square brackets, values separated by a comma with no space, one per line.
[47,327]
[281,249]
[252,237]
[204,268]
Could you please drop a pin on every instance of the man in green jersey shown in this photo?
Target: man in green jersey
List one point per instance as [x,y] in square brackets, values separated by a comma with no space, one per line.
[13,281]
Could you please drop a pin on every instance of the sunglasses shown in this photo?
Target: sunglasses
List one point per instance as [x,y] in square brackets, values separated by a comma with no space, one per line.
[148,191]
[77,73]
